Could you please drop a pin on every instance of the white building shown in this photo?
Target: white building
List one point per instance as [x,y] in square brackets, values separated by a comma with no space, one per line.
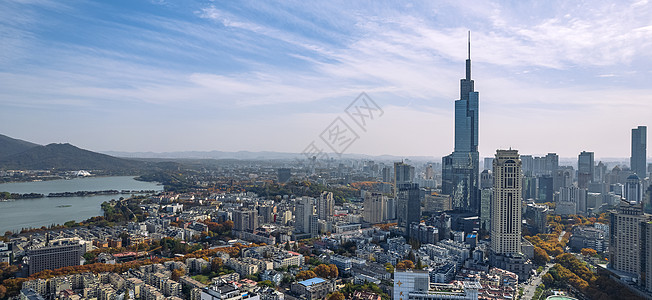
[506,206]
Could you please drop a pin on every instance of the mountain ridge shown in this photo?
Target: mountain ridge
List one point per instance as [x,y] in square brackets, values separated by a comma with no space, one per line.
[23,155]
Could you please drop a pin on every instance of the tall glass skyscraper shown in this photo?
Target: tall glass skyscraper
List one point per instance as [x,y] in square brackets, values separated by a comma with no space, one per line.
[639,151]
[460,169]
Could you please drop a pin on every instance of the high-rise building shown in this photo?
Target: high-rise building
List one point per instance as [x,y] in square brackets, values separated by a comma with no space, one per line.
[486,179]
[266,213]
[488,163]
[56,254]
[387,174]
[460,169]
[574,195]
[325,206]
[409,205]
[375,208]
[528,165]
[506,206]
[585,169]
[485,208]
[630,245]
[639,151]
[403,174]
[633,189]
[392,208]
[545,185]
[563,177]
[245,220]
[430,172]
[306,219]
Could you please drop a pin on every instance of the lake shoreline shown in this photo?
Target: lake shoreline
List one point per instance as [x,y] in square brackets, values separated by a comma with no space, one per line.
[69,205]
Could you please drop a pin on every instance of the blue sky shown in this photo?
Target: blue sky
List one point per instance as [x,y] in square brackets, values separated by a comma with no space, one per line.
[553,76]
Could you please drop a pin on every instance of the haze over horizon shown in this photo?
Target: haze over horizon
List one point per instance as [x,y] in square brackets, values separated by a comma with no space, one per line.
[163,76]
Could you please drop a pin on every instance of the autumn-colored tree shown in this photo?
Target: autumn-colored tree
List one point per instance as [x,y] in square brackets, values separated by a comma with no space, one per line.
[7,270]
[540,256]
[405,264]
[334,271]
[216,264]
[303,275]
[326,271]
[3,291]
[336,296]
[322,270]
[588,252]
[176,274]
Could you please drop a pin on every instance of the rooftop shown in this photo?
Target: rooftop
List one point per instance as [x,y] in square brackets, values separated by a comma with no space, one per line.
[311,281]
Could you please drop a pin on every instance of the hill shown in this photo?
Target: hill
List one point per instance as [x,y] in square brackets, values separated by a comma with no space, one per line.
[10,146]
[66,157]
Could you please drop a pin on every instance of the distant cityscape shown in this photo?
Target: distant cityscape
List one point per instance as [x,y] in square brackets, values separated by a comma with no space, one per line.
[516,226]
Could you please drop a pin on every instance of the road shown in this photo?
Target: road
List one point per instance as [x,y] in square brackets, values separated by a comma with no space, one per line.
[528,290]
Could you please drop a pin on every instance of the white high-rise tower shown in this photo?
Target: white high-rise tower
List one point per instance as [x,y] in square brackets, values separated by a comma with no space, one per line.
[506,206]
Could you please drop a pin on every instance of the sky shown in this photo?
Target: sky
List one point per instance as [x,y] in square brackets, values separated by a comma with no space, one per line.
[553,76]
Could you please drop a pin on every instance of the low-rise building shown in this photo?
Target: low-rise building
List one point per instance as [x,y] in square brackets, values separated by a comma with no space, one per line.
[314,288]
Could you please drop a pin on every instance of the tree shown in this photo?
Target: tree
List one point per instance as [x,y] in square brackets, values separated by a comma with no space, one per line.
[334,272]
[389,268]
[540,256]
[336,296]
[3,291]
[322,271]
[216,264]
[176,274]
[547,279]
[267,283]
[588,252]
[303,275]
[405,264]
[7,270]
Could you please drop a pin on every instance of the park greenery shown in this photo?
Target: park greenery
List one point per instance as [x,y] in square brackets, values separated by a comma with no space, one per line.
[570,271]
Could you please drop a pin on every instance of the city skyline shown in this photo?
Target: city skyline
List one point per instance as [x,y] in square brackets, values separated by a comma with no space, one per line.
[167,76]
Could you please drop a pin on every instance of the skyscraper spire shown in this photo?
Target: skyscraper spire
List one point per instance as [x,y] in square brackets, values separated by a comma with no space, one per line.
[468,60]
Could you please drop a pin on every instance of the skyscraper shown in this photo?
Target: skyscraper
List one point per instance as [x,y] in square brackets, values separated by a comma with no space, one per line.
[408,205]
[460,169]
[585,169]
[375,207]
[325,206]
[639,151]
[403,173]
[506,204]
[306,220]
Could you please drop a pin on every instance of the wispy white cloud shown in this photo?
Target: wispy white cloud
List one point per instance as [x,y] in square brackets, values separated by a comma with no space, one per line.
[234,61]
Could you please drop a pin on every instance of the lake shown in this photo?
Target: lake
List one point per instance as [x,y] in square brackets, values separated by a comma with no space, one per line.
[34,213]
